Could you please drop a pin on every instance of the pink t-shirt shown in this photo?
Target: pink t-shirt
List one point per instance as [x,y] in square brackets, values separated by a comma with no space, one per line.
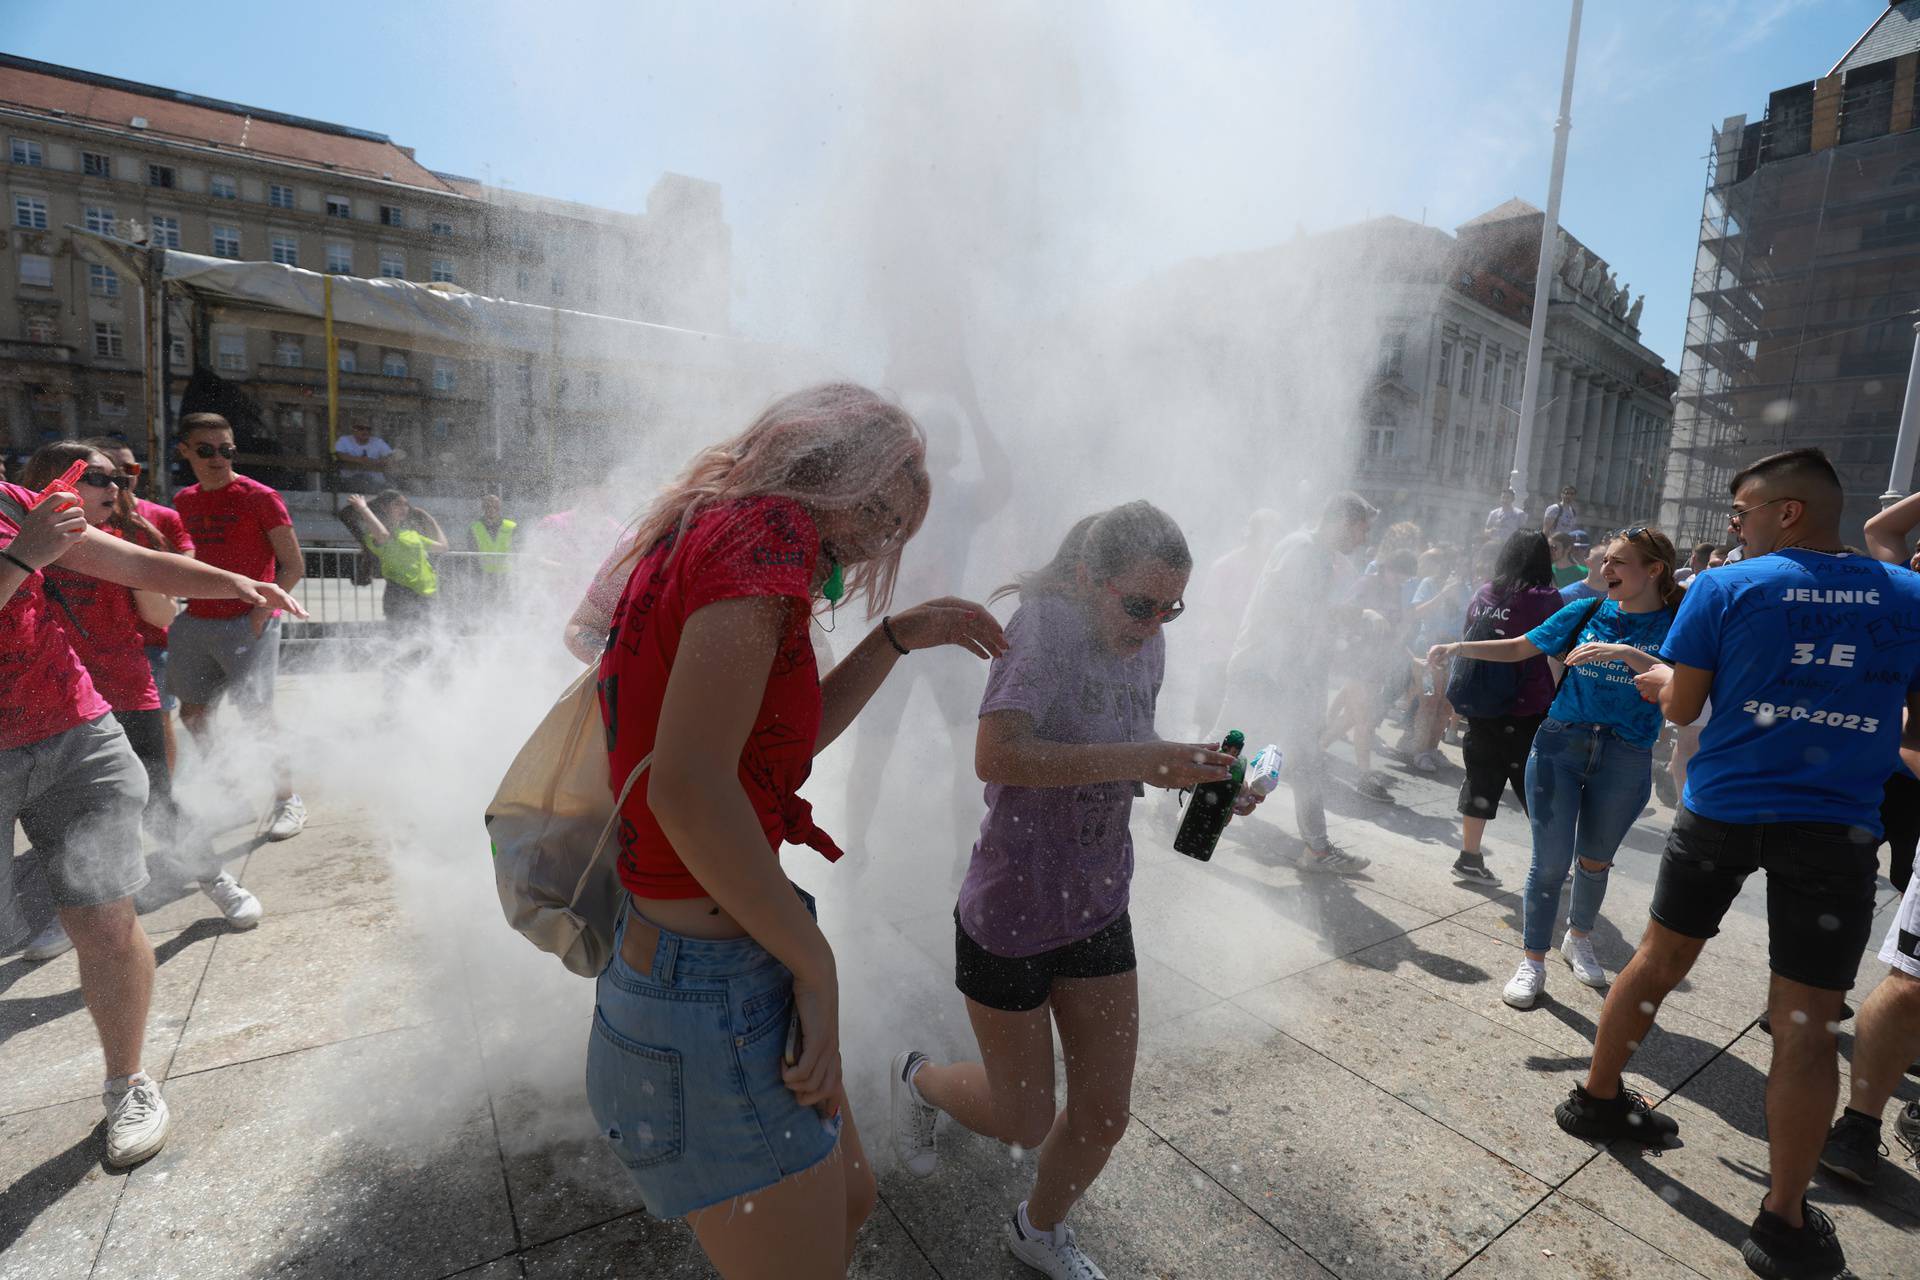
[229,527]
[47,689]
[103,626]
[168,522]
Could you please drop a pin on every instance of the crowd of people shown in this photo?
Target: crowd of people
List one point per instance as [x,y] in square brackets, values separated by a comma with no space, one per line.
[714,1064]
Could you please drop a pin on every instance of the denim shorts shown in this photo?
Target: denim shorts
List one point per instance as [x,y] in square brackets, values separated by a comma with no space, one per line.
[683,1073]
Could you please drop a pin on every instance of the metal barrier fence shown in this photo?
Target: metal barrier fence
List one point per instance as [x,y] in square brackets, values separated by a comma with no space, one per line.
[343,591]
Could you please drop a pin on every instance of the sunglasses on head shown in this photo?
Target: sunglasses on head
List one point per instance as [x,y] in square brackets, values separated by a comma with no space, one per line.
[1146,608]
[206,451]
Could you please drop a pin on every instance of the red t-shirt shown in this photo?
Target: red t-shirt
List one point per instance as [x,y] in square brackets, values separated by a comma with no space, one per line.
[760,547]
[168,522]
[103,626]
[229,527]
[44,689]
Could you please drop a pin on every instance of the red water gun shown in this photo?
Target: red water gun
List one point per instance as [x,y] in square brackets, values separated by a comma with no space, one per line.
[67,483]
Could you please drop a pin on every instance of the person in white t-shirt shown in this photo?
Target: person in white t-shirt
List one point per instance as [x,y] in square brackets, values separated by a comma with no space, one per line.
[358,456]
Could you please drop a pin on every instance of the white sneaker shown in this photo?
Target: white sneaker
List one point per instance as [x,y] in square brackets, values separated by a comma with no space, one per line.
[137,1122]
[49,942]
[913,1118]
[240,907]
[1578,953]
[1526,984]
[1427,762]
[289,819]
[1052,1254]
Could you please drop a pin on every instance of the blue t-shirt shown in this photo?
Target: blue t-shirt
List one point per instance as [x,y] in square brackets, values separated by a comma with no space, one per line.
[1603,692]
[1812,658]
[1578,591]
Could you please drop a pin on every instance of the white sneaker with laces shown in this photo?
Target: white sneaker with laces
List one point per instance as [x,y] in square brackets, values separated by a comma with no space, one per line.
[1427,762]
[137,1122]
[1578,953]
[240,907]
[1052,1253]
[289,819]
[914,1118]
[1526,984]
[49,942]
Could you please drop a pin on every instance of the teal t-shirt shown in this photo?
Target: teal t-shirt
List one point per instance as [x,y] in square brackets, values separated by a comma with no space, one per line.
[1602,692]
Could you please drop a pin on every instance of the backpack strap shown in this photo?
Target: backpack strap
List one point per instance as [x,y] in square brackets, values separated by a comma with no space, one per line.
[1561,656]
[606,833]
[11,508]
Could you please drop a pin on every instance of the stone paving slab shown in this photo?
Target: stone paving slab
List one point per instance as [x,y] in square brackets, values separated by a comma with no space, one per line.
[58,1196]
[1564,1240]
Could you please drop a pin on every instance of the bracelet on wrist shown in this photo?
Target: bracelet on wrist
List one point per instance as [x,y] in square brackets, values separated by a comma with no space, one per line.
[886,626]
[26,568]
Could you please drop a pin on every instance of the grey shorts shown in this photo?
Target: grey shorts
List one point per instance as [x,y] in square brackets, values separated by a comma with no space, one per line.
[79,796]
[207,657]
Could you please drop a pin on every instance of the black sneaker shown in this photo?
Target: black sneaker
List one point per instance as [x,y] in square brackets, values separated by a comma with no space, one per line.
[1627,1116]
[1854,1148]
[1473,866]
[1906,1130]
[1664,788]
[1780,1252]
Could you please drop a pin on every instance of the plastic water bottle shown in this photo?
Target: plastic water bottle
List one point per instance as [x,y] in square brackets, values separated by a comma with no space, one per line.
[1263,774]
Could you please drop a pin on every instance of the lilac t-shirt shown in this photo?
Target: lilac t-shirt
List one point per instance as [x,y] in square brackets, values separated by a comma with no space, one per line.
[1054,865]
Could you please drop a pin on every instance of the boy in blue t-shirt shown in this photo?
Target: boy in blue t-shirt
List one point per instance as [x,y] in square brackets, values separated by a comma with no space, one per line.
[1810,653]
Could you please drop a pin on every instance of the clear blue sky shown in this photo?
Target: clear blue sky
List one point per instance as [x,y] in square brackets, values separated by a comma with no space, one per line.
[1177,135]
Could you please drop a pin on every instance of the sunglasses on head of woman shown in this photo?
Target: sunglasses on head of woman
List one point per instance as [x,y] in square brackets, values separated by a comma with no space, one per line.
[206,451]
[101,478]
[1146,608]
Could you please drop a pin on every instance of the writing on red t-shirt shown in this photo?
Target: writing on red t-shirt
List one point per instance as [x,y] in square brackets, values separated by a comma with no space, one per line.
[759,547]
[44,689]
[168,522]
[102,626]
[229,528]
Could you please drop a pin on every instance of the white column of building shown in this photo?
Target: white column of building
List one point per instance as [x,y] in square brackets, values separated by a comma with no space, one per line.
[1553,457]
[1613,444]
[1566,459]
[1590,439]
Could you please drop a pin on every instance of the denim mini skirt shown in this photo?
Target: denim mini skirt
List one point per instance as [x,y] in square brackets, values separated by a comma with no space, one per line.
[683,1073]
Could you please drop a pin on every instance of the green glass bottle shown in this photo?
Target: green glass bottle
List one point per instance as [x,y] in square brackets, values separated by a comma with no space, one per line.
[1211,805]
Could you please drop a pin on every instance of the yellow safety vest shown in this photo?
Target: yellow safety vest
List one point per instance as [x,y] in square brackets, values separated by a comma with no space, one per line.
[496,544]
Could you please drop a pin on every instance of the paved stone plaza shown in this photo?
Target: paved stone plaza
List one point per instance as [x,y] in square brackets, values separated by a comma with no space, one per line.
[382,1081]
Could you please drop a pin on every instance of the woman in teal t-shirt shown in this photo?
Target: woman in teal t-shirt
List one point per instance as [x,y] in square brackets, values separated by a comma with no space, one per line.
[1591,768]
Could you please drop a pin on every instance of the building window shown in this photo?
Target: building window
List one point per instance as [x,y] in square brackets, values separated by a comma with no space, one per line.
[1437,447]
[443,375]
[340,259]
[394,364]
[1486,376]
[96,164]
[222,187]
[1467,355]
[1446,363]
[26,151]
[1506,384]
[107,342]
[286,250]
[160,175]
[1380,433]
[99,218]
[443,229]
[30,212]
[226,241]
[102,282]
[522,280]
[42,329]
[288,351]
[165,231]
[392,215]
[349,360]
[339,207]
[177,349]
[232,356]
[393,264]
[443,270]
[110,404]
[1393,350]
[279,197]
[36,269]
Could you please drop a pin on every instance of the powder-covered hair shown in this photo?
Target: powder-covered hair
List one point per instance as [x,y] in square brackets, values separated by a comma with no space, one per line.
[829,448]
[1109,543]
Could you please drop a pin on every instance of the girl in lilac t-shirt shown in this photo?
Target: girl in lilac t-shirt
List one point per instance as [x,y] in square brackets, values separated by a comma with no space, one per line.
[1042,934]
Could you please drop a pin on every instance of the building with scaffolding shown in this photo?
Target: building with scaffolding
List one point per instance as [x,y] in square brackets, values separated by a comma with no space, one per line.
[1806,284]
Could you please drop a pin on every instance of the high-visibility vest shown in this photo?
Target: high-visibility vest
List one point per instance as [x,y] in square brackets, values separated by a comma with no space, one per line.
[499,544]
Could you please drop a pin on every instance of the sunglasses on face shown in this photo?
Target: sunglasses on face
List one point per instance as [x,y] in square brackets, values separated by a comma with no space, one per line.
[1736,514]
[1146,608]
[206,451]
[100,478]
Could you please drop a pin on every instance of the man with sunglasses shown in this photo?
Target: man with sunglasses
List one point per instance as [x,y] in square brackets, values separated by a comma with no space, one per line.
[1810,652]
[217,646]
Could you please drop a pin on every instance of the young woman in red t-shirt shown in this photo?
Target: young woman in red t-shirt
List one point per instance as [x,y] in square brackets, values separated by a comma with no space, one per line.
[720,971]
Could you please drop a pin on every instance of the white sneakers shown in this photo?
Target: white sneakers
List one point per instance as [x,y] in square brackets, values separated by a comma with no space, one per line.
[241,908]
[288,820]
[1051,1253]
[137,1121]
[913,1118]
[1526,984]
[1578,953]
[49,942]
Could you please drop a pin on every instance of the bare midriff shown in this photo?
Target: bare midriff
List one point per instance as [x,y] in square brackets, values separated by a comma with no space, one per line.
[688,917]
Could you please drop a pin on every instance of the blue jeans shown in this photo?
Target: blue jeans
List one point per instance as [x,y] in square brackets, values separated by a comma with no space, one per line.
[1585,786]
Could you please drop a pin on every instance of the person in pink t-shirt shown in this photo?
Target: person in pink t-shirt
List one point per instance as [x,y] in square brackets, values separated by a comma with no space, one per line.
[71,782]
[219,646]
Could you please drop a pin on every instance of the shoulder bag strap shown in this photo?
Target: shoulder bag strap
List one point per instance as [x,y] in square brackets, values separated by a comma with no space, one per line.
[606,833]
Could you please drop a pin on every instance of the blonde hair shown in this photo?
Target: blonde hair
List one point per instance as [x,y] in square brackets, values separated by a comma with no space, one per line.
[830,448]
[1654,547]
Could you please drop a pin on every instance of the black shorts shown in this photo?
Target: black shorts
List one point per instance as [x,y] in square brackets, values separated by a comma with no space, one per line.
[1820,890]
[1017,984]
[1495,754]
[1900,815]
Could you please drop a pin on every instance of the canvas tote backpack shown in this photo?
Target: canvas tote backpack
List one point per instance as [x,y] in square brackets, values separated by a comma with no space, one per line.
[551,824]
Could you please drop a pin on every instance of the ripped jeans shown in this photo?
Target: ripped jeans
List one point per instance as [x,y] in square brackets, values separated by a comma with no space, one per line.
[1585,787]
